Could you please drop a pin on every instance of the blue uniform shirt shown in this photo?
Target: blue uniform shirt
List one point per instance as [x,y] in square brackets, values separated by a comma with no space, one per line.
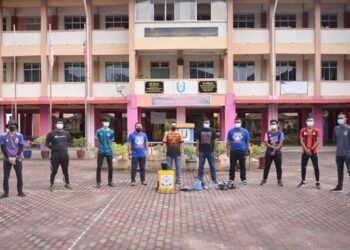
[138,142]
[238,138]
[105,138]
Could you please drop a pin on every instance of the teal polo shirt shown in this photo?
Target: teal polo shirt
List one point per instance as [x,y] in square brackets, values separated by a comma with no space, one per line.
[105,138]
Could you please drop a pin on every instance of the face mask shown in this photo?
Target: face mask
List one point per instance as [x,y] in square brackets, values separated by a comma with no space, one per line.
[238,125]
[59,125]
[309,124]
[206,125]
[273,126]
[138,129]
[105,124]
[12,128]
[173,128]
[341,121]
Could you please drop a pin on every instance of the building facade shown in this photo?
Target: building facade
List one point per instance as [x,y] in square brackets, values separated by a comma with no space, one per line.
[159,60]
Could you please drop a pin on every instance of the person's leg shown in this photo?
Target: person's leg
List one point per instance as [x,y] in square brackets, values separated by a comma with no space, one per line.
[7,171]
[201,166]
[268,162]
[169,161]
[210,157]
[314,160]
[304,160]
[133,169]
[278,163]
[242,168]
[18,170]
[142,163]
[64,161]
[347,162]
[178,168]
[110,168]
[233,162]
[340,169]
[54,165]
[99,166]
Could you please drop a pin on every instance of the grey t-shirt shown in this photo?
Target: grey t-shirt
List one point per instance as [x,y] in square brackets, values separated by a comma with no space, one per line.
[341,136]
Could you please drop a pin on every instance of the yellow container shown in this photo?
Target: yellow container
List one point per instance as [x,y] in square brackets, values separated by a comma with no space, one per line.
[166,181]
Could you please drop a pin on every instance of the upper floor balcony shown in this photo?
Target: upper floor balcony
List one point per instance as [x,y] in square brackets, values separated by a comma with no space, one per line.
[27,43]
[335,41]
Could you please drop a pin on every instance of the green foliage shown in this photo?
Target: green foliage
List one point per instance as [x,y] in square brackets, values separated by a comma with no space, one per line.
[79,142]
[41,142]
[120,149]
[256,150]
[220,150]
[190,151]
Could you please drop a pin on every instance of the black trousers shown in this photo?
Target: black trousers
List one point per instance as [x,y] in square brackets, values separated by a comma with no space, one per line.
[141,161]
[304,160]
[99,167]
[340,168]
[240,157]
[7,171]
[56,161]
[277,158]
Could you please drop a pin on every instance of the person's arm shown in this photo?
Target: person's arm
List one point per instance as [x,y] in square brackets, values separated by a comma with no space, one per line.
[266,142]
[247,144]
[96,139]
[48,141]
[334,135]
[181,143]
[279,146]
[228,144]
[317,142]
[165,140]
[146,146]
[20,146]
[216,140]
[4,151]
[129,150]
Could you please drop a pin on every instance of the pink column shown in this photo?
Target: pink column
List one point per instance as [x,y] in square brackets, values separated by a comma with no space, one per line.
[230,113]
[132,111]
[264,122]
[44,119]
[318,117]
[180,114]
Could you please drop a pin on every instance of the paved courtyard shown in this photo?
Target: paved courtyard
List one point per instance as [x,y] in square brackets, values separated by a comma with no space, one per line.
[125,217]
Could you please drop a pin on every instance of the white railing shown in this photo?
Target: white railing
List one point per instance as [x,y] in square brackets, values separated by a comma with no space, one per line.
[295,36]
[67,37]
[251,88]
[23,89]
[22,38]
[335,36]
[110,89]
[250,36]
[335,88]
[110,36]
[67,89]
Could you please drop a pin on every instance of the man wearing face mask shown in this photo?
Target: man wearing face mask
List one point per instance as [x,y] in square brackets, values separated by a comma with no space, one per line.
[237,149]
[12,144]
[57,141]
[138,151]
[310,140]
[104,137]
[206,143]
[341,136]
[172,143]
[273,141]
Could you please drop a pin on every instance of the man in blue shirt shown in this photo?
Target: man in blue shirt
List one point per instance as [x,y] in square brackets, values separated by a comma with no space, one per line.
[237,149]
[138,151]
[12,144]
[104,137]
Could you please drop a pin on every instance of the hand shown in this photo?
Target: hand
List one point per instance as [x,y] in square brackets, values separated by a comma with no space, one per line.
[273,153]
[130,157]
[308,151]
[228,154]
[12,160]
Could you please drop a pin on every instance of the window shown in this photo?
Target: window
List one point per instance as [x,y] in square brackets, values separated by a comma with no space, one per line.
[329,70]
[160,70]
[117,22]
[201,69]
[286,21]
[243,21]
[32,72]
[185,10]
[32,23]
[74,22]
[285,70]
[163,10]
[203,10]
[117,71]
[4,70]
[4,24]
[74,72]
[243,71]
[329,21]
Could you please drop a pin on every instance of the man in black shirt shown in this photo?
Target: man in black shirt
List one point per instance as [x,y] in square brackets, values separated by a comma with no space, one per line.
[206,143]
[57,140]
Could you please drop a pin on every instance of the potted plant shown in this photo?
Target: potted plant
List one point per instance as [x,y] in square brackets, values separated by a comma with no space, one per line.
[121,153]
[219,150]
[256,152]
[81,144]
[191,159]
[41,141]
[27,152]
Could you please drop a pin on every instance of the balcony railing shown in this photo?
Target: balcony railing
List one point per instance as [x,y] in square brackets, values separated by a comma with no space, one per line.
[67,89]
[251,88]
[24,90]
[110,89]
[335,88]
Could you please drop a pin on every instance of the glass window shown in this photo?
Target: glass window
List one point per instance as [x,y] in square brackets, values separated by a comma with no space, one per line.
[4,24]
[117,71]
[32,23]
[160,70]
[144,10]
[286,21]
[117,22]
[185,10]
[203,10]
[74,22]
[243,21]
[202,69]
[74,72]
[32,72]
[163,10]
[244,71]
[329,70]
[329,21]
[285,70]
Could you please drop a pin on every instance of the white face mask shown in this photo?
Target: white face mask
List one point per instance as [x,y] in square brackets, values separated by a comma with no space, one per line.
[105,124]
[59,125]
[206,125]
[238,125]
[273,126]
[309,124]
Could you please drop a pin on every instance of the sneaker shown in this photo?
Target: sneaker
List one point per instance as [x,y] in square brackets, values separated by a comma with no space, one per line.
[52,187]
[143,183]
[98,185]
[263,182]
[133,183]
[244,182]
[68,186]
[231,185]
[21,194]
[280,183]
[111,184]
[302,184]
[336,190]
[4,195]
[215,182]
[318,185]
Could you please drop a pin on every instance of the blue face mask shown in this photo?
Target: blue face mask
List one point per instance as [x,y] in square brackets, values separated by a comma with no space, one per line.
[341,121]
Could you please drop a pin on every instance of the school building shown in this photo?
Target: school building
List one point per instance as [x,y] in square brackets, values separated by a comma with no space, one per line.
[160,60]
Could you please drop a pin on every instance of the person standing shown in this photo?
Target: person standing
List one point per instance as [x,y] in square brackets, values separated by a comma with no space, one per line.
[172,143]
[104,137]
[138,152]
[273,141]
[237,149]
[57,141]
[206,145]
[341,136]
[12,143]
[310,141]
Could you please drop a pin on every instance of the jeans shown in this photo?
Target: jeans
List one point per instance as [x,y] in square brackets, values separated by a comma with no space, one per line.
[277,158]
[240,156]
[177,161]
[304,160]
[56,161]
[7,171]
[141,161]
[340,168]
[210,157]
[99,166]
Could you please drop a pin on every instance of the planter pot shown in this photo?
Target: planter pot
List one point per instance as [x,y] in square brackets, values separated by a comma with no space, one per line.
[261,162]
[81,153]
[45,154]
[27,154]
[191,165]
[123,164]
[218,165]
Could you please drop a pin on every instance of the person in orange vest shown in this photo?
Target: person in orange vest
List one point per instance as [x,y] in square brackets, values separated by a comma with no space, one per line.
[310,141]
